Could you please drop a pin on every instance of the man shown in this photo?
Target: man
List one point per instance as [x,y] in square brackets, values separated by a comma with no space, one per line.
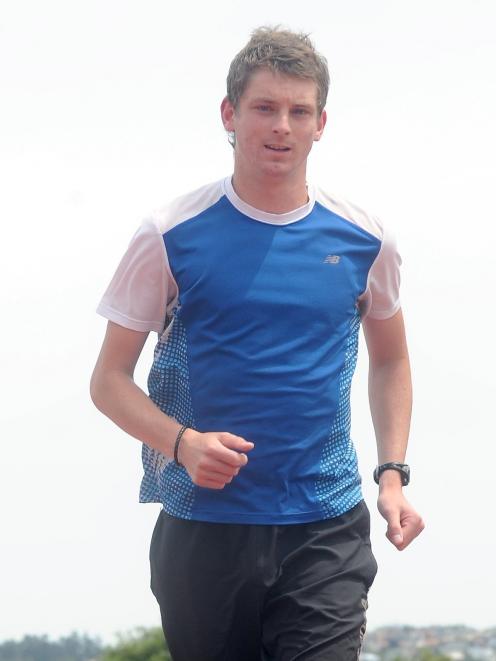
[257,286]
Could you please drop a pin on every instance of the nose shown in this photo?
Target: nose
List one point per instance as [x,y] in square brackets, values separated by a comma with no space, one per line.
[281,124]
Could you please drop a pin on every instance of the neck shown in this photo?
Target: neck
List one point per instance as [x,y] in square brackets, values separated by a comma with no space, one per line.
[271,194]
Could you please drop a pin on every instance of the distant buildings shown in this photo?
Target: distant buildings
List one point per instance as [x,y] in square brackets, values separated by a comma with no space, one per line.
[458,643]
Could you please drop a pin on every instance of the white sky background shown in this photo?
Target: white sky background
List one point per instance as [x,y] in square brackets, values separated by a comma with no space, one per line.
[110,108]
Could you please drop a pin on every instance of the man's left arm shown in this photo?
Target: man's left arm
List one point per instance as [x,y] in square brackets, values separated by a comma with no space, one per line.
[390,395]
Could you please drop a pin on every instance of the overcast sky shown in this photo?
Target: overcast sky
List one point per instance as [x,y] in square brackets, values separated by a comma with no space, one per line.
[110,108]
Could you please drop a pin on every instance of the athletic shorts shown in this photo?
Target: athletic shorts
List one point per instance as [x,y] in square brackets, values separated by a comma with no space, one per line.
[243,592]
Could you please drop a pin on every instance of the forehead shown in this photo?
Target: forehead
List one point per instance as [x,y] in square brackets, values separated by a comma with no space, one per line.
[267,84]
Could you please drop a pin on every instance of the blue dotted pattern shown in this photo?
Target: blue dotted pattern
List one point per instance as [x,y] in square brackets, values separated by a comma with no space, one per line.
[338,487]
[168,384]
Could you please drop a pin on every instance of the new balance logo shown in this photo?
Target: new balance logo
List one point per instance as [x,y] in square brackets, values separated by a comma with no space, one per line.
[332,259]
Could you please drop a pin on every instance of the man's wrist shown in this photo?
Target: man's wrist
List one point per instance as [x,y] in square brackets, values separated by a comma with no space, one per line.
[390,480]
[186,437]
[177,443]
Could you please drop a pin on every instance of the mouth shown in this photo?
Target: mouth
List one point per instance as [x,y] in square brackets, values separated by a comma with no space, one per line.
[277,148]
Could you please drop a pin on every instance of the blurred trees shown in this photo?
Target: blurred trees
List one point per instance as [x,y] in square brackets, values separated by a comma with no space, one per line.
[39,648]
[424,655]
[140,645]
[143,645]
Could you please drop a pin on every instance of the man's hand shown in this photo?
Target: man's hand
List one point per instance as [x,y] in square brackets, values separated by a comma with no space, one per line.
[213,459]
[404,523]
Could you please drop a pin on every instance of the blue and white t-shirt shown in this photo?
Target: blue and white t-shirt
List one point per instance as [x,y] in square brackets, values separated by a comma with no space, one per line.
[258,317]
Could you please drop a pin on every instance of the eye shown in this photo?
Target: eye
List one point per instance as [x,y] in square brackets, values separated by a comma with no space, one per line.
[300,111]
[264,107]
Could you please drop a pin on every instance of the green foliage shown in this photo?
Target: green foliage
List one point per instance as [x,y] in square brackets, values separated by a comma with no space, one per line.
[39,648]
[428,655]
[424,655]
[143,645]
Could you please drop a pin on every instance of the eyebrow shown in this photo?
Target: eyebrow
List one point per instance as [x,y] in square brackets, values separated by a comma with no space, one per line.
[308,106]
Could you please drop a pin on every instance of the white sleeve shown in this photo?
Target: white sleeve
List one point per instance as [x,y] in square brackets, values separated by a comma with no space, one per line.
[142,287]
[381,299]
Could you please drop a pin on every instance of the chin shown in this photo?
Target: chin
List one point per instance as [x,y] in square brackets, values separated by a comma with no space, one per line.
[278,170]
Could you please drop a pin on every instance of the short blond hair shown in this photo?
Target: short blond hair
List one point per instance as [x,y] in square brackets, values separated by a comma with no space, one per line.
[283,51]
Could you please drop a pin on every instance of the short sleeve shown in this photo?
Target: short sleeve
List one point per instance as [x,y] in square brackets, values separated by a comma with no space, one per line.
[381,299]
[142,287]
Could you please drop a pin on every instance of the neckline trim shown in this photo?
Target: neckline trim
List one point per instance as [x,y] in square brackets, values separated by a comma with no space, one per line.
[264,216]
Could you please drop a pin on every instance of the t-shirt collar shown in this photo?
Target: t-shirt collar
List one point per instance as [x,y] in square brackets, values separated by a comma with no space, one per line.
[265,216]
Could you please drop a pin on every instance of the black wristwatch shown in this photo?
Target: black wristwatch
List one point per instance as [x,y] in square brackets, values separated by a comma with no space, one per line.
[403,469]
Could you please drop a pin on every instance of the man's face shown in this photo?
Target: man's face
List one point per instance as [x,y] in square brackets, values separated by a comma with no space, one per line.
[275,124]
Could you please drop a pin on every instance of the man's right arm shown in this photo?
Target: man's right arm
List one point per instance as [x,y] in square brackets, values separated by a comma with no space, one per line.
[212,459]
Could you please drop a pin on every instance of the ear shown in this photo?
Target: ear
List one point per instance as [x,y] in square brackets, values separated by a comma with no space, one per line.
[321,122]
[227,114]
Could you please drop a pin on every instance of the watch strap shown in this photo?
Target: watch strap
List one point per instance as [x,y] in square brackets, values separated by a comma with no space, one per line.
[403,469]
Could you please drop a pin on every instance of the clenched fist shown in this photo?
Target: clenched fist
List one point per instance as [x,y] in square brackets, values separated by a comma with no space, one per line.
[213,459]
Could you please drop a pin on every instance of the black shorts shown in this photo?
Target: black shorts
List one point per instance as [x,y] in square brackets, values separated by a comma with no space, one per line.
[235,592]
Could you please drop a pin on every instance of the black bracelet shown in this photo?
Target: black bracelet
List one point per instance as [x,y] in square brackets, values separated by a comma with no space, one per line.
[178,440]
